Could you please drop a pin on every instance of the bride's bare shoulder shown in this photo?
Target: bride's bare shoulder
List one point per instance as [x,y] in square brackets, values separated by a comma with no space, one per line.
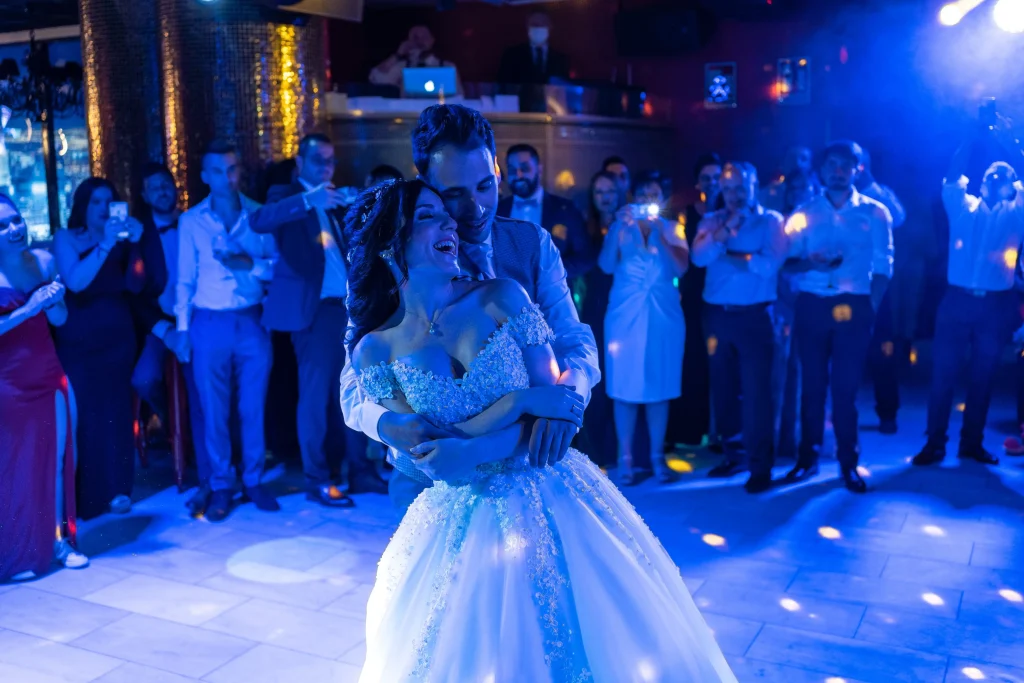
[373,349]
[504,298]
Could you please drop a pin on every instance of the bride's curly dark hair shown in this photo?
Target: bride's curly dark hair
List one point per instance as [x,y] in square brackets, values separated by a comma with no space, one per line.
[379,220]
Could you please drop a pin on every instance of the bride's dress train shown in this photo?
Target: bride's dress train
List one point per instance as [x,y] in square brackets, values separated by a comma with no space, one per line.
[525,575]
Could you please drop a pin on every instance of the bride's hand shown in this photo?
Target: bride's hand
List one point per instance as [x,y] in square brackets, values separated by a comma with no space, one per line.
[556,402]
[444,459]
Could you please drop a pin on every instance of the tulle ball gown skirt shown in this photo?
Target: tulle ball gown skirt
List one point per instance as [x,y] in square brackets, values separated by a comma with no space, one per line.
[533,576]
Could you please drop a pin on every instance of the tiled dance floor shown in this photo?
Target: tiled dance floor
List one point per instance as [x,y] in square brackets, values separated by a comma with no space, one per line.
[920,581]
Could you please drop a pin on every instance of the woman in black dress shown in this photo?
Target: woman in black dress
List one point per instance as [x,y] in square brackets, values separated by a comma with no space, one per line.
[100,263]
[592,292]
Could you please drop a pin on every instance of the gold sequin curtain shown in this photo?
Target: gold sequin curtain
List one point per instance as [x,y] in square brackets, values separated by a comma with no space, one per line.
[165,77]
[122,91]
[229,73]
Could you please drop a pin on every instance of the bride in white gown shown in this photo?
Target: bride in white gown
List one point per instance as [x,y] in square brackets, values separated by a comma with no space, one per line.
[504,571]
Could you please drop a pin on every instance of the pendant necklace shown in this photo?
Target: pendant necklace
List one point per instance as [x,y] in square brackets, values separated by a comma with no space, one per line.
[432,328]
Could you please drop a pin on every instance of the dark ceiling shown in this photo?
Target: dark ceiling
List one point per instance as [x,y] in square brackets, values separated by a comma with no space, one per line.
[20,15]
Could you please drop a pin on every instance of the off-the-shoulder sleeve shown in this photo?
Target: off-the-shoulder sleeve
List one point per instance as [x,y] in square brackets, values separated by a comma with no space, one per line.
[529,328]
[378,381]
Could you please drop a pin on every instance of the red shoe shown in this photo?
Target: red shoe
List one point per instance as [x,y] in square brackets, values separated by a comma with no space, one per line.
[1014,446]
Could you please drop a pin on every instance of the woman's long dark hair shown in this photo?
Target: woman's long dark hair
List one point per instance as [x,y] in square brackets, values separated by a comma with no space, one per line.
[83,195]
[593,215]
[379,220]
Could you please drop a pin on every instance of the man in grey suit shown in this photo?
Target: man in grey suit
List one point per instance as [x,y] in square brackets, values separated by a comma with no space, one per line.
[307,299]
[453,148]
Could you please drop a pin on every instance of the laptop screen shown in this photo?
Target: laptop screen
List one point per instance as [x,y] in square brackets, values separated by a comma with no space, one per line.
[429,81]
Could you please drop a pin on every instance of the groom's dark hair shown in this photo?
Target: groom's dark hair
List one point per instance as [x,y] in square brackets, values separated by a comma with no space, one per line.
[449,124]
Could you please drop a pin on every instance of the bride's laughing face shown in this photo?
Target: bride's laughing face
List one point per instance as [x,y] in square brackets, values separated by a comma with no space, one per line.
[433,242]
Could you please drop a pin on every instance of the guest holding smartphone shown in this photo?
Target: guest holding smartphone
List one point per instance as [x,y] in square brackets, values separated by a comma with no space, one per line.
[99,260]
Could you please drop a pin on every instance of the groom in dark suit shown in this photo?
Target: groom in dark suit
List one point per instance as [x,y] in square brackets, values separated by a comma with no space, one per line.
[530,202]
[307,299]
[453,148]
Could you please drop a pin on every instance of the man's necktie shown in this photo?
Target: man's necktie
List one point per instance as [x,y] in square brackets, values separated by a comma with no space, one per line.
[480,260]
[538,58]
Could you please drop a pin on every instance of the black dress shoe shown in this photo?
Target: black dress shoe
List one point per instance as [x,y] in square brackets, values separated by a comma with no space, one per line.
[262,499]
[887,427]
[929,455]
[758,483]
[854,482]
[802,472]
[330,496]
[726,469]
[219,507]
[979,454]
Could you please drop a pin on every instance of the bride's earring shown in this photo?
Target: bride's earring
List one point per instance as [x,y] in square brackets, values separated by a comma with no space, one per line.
[388,255]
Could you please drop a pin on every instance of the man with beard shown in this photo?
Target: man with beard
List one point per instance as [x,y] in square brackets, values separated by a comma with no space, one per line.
[842,243]
[743,246]
[979,308]
[453,148]
[159,245]
[530,203]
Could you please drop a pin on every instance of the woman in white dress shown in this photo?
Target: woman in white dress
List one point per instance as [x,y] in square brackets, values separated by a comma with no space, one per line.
[644,329]
[504,571]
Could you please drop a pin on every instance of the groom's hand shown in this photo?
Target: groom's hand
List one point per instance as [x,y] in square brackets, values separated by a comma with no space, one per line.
[404,432]
[550,441]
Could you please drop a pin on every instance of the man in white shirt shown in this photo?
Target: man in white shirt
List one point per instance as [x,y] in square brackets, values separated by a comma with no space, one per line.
[222,270]
[842,243]
[453,147]
[306,298]
[743,246]
[979,310]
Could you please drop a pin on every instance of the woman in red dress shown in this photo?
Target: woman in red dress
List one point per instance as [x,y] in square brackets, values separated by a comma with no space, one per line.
[37,452]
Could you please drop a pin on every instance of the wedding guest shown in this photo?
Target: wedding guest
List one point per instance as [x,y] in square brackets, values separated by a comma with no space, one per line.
[619,170]
[99,260]
[690,414]
[37,412]
[222,270]
[842,243]
[532,203]
[979,311]
[306,298]
[798,159]
[644,327]
[159,244]
[742,245]
[592,291]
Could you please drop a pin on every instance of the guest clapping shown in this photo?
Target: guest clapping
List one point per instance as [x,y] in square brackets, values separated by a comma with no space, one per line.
[37,456]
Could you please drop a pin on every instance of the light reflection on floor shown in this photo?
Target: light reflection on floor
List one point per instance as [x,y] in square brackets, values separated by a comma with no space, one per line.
[919,581]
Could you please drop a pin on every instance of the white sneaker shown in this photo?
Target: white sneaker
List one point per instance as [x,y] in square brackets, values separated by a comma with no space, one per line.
[121,505]
[24,576]
[68,556]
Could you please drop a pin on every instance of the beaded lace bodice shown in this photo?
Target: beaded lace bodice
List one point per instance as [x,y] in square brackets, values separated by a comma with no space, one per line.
[496,371]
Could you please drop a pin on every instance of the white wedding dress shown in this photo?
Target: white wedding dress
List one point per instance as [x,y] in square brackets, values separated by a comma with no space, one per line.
[524,575]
